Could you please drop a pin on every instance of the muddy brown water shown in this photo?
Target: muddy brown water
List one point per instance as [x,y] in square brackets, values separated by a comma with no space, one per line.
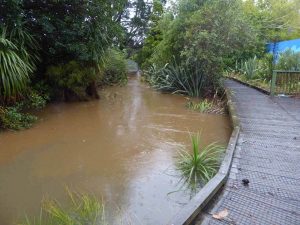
[120,148]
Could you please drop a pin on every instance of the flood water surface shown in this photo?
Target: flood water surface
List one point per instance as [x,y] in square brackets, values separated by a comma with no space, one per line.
[120,148]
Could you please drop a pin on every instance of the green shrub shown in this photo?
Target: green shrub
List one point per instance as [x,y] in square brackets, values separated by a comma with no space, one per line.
[12,118]
[43,89]
[114,67]
[254,68]
[34,101]
[71,79]
[289,60]
[200,165]
[265,69]
[186,78]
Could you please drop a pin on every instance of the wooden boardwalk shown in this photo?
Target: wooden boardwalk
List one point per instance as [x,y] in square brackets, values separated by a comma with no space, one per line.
[268,155]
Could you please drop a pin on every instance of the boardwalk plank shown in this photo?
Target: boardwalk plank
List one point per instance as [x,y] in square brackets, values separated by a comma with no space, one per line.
[268,154]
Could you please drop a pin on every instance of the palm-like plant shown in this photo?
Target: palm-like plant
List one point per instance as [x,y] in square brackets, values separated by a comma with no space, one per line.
[14,70]
[200,165]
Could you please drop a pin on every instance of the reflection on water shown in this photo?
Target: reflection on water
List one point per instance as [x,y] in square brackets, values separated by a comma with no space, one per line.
[120,148]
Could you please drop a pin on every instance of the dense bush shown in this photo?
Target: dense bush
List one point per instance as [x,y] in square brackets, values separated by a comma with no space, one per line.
[51,51]
[71,80]
[289,60]
[265,69]
[56,33]
[217,34]
[255,68]
[114,67]
[211,33]
[12,118]
[262,69]
[34,101]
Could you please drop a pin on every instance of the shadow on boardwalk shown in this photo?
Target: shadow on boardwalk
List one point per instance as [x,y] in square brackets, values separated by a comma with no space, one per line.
[268,154]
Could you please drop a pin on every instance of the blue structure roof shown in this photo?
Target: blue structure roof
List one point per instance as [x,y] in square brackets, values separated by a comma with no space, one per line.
[282,46]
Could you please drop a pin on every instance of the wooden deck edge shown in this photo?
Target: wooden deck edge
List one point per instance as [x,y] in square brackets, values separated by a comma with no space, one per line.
[190,211]
[250,85]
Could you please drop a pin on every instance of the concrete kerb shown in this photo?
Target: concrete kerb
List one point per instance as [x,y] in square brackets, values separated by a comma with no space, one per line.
[190,211]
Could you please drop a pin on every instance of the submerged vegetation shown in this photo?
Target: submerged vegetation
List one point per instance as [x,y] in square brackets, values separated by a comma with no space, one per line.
[202,106]
[83,209]
[215,105]
[200,164]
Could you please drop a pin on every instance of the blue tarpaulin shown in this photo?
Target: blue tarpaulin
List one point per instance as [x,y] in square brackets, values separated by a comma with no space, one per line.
[282,46]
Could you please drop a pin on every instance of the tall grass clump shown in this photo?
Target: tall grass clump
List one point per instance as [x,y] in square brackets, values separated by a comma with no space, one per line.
[201,164]
[202,106]
[83,210]
[185,78]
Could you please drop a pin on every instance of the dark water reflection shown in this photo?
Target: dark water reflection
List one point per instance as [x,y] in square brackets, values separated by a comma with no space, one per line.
[120,148]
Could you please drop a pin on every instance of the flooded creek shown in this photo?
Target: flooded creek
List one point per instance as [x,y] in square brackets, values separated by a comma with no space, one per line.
[120,148]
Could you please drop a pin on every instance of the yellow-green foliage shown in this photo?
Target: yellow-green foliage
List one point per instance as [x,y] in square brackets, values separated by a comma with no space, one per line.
[114,67]
[202,106]
[83,209]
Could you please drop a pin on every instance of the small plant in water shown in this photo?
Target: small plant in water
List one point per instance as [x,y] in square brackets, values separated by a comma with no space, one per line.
[200,165]
[202,106]
[84,209]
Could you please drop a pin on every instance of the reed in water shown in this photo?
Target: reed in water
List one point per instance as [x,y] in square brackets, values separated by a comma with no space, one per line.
[201,164]
[83,209]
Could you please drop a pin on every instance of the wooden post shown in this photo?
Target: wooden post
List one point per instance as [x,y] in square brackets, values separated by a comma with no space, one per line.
[273,83]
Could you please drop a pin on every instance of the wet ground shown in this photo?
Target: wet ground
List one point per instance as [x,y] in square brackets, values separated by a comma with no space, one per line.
[120,148]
